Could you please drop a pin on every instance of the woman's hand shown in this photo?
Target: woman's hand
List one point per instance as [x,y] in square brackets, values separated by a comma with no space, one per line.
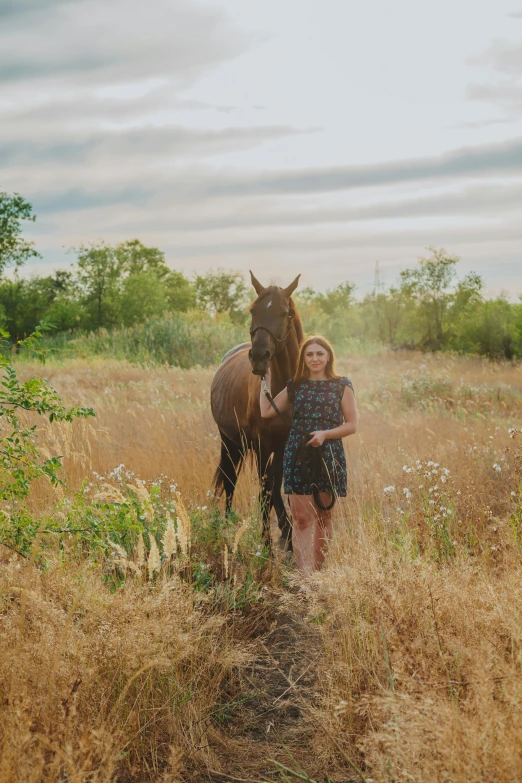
[317,439]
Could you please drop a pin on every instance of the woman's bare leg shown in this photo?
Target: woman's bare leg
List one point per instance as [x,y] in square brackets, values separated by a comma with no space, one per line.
[304,516]
[323,531]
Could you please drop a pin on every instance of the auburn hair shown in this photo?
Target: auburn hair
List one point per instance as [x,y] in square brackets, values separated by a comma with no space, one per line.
[302,372]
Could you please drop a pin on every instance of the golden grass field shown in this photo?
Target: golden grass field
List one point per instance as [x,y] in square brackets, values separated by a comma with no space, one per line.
[400,661]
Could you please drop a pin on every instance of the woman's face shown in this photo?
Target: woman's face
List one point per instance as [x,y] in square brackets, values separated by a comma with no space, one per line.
[316,357]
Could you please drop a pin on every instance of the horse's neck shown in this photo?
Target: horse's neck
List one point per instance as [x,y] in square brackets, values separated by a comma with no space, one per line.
[284,363]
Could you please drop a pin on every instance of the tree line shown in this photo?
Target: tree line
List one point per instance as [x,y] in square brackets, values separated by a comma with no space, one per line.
[109,286]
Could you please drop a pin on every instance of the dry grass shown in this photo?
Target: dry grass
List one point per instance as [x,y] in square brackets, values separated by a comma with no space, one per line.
[418,610]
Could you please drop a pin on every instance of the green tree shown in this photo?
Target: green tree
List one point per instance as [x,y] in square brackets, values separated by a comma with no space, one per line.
[143,296]
[429,285]
[180,292]
[135,258]
[389,307]
[98,272]
[25,302]
[336,300]
[222,292]
[14,249]
[333,301]
[489,328]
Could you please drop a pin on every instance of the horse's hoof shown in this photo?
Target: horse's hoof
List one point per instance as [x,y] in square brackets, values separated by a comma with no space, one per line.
[285,544]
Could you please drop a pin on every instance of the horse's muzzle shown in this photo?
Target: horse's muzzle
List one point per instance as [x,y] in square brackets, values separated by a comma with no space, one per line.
[259,364]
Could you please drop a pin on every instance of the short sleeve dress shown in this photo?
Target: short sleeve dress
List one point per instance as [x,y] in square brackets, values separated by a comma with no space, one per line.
[316,406]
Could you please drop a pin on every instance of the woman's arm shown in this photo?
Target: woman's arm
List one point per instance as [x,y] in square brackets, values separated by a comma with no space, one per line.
[282,401]
[350,421]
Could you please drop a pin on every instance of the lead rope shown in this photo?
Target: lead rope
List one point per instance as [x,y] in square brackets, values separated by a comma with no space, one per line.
[316,455]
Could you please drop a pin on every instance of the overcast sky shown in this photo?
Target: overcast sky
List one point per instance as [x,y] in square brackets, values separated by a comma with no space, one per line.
[286,136]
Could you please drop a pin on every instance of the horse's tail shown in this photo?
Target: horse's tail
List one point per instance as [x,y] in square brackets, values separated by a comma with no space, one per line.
[229,468]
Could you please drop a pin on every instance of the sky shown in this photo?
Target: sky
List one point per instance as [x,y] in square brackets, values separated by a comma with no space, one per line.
[320,137]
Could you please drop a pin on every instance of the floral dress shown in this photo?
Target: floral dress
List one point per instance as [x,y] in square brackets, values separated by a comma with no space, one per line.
[316,406]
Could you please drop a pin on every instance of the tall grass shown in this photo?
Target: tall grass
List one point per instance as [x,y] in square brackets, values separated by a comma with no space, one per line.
[417,614]
[180,339]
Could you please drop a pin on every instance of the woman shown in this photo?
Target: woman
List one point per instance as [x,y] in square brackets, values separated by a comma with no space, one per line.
[324,406]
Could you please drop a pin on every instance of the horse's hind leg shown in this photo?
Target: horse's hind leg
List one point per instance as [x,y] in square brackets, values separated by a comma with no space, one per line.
[228,469]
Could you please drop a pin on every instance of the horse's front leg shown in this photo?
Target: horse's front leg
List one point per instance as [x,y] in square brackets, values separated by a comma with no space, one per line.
[264,459]
[283,520]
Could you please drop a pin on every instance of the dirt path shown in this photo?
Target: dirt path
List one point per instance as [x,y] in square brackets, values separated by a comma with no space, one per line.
[276,723]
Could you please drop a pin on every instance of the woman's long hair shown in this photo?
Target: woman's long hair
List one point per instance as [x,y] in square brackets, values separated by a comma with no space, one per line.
[302,372]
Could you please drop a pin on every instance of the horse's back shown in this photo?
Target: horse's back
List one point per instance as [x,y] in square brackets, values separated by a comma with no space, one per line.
[235,349]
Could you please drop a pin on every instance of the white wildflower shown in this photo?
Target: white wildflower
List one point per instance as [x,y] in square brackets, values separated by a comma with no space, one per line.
[389,490]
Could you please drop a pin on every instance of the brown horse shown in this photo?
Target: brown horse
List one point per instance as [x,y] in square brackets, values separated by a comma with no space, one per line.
[276,334]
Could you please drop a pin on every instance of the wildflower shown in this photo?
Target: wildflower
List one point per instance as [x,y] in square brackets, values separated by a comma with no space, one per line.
[388,490]
[512,432]
[406,469]
[407,493]
[497,467]
[432,502]
[443,479]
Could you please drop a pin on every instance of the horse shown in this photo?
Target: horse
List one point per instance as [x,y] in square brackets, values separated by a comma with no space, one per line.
[276,334]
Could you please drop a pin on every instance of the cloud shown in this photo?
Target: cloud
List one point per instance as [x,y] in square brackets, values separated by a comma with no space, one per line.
[503,57]
[12,9]
[504,158]
[507,94]
[214,194]
[144,144]
[91,41]
[515,15]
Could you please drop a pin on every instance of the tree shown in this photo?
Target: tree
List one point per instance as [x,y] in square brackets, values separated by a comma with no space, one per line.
[429,285]
[98,273]
[135,258]
[222,292]
[24,302]
[180,293]
[142,297]
[14,249]
[389,307]
[333,301]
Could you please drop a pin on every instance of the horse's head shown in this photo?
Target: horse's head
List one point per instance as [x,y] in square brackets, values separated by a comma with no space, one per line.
[272,315]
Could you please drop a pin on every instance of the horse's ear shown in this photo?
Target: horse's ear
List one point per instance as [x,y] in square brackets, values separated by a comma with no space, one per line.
[289,290]
[257,285]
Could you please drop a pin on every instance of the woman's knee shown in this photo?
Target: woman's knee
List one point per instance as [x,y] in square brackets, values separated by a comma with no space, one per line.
[302,517]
